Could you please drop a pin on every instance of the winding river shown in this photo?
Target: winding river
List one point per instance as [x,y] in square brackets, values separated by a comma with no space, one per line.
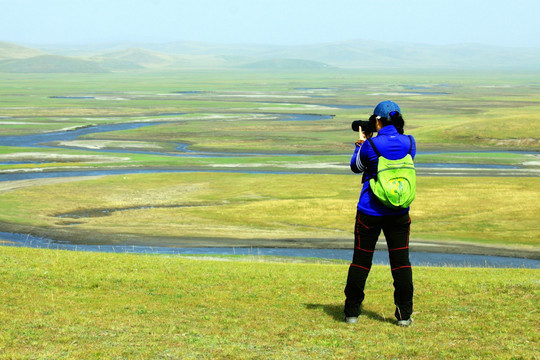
[43,141]
[417,258]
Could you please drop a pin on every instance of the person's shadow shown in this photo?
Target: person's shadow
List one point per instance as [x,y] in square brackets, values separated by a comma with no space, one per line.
[336,312]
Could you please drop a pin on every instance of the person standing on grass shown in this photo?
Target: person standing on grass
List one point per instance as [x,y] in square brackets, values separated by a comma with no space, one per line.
[373,216]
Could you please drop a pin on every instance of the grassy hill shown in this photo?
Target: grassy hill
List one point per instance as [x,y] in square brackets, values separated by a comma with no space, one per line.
[13,51]
[50,64]
[287,65]
[356,54]
[77,305]
[118,64]
[140,57]
[361,54]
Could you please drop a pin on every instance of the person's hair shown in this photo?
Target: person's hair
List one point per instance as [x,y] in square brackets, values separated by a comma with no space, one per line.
[395,119]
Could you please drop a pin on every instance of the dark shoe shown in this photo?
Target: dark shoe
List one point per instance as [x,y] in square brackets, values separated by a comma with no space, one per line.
[351,319]
[405,323]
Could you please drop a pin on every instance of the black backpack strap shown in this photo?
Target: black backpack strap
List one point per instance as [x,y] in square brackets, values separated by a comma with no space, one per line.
[410,149]
[374,148]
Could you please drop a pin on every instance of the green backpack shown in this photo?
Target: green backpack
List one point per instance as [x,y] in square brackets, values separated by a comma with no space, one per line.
[395,186]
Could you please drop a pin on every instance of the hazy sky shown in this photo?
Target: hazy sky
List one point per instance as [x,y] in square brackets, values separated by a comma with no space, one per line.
[288,22]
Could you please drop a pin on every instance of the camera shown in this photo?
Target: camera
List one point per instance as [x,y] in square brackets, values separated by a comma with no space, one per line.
[368,126]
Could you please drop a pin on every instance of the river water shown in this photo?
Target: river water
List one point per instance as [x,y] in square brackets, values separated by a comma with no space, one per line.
[380,257]
[44,140]
[417,258]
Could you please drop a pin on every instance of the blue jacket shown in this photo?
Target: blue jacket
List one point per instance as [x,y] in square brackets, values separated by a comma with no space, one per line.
[391,145]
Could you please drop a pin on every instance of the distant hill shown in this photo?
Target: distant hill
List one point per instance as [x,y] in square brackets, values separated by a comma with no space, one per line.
[142,57]
[117,64]
[357,54]
[50,64]
[287,64]
[361,54]
[12,51]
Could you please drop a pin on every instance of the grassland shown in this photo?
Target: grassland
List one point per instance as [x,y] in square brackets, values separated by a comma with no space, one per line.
[253,207]
[66,305]
[243,112]
[443,110]
[240,112]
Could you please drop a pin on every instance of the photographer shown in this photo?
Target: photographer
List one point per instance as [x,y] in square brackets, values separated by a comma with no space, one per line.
[373,216]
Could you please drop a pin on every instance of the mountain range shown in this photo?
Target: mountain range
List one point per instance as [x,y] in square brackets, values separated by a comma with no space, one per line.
[357,54]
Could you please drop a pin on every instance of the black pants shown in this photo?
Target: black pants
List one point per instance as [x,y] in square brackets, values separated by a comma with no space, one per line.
[367,231]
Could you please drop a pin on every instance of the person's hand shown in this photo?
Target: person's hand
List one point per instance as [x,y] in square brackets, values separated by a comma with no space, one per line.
[361,135]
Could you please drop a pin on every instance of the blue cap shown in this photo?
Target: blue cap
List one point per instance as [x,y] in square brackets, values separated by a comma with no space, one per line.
[383,109]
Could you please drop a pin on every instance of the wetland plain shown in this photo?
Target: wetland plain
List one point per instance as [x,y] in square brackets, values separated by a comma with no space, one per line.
[256,158]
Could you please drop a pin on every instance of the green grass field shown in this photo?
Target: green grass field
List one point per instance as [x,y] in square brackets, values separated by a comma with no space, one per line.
[239,112]
[272,207]
[242,112]
[449,110]
[71,305]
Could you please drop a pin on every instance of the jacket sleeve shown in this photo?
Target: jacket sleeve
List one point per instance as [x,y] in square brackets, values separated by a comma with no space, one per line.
[356,164]
[413,152]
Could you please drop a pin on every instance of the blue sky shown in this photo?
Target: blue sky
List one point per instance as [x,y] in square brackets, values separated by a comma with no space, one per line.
[285,22]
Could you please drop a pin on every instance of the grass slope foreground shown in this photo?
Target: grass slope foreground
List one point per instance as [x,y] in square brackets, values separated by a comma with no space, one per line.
[70,305]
